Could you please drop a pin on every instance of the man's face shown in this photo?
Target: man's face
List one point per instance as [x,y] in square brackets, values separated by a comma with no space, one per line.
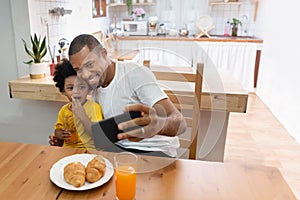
[89,66]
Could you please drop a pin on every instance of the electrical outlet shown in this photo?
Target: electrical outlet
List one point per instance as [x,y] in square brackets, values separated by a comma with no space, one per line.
[44,20]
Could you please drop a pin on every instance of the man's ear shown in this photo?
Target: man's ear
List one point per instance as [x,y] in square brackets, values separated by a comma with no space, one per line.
[103,52]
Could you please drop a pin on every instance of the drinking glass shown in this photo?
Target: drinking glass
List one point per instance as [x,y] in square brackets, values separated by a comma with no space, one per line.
[125,174]
[71,128]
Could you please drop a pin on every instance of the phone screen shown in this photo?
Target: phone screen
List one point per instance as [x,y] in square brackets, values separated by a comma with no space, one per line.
[109,127]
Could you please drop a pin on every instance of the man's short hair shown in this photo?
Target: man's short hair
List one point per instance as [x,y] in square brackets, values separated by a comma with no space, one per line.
[84,40]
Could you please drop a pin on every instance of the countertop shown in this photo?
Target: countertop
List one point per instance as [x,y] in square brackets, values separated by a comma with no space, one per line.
[213,98]
[214,38]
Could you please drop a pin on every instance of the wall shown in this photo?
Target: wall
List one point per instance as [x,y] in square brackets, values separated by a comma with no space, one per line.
[68,26]
[178,13]
[278,81]
[32,121]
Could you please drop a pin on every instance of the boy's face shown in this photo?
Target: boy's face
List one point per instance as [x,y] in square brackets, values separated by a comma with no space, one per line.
[68,87]
[80,90]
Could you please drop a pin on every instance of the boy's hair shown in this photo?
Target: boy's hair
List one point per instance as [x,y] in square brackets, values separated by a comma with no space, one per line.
[63,70]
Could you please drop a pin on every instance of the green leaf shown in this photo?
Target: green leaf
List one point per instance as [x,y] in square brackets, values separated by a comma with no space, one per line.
[38,49]
[27,50]
[29,62]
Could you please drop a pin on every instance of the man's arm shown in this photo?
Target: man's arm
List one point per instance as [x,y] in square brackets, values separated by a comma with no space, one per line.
[174,123]
[79,112]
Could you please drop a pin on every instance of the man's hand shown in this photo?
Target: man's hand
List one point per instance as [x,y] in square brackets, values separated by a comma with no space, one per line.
[150,123]
[78,109]
[79,112]
[163,119]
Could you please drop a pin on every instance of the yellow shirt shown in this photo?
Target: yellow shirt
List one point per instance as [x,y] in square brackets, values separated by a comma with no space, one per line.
[65,115]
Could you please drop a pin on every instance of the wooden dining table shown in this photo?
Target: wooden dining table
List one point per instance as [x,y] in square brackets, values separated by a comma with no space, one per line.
[25,169]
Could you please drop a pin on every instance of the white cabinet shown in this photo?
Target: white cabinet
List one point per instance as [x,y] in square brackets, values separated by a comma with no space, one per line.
[236,57]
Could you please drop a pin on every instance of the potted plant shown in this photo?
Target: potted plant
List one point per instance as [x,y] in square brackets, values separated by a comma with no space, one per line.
[235,23]
[129,6]
[36,51]
[139,13]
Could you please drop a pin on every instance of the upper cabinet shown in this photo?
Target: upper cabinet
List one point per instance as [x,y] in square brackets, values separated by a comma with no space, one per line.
[99,8]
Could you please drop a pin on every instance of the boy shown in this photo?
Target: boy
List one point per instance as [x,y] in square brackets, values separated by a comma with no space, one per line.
[73,126]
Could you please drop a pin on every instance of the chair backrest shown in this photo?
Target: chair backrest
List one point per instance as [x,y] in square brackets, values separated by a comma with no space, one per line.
[186,101]
[99,36]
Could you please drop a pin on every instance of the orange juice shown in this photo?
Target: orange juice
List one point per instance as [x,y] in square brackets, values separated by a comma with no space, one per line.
[73,137]
[125,183]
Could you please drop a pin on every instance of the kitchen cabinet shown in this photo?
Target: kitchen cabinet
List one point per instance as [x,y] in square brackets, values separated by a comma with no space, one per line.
[240,58]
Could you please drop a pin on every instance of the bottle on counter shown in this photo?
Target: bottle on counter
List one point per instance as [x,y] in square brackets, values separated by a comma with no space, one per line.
[227,28]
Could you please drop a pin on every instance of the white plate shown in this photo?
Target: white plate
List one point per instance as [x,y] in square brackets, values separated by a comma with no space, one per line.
[204,22]
[57,170]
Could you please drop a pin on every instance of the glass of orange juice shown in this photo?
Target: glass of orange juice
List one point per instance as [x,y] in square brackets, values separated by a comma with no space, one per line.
[70,126]
[125,174]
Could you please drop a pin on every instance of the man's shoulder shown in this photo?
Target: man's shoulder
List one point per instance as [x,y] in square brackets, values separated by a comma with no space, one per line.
[127,65]
[132,68]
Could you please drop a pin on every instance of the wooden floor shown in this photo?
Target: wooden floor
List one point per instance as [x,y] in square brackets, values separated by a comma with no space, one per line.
[257,137]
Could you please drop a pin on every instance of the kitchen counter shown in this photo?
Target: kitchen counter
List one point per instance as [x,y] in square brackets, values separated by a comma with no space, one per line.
[231,93]
[219,48]
[214,38]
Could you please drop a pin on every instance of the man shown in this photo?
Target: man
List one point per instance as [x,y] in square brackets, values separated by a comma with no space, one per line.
[125,86]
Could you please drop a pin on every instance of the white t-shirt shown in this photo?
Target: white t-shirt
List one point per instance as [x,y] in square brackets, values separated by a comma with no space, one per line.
[134,84]
[130,85]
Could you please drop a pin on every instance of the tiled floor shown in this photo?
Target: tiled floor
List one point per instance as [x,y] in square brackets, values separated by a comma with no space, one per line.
[257,137]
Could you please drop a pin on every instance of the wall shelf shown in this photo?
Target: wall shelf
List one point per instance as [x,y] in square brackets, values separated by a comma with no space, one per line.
[134,4]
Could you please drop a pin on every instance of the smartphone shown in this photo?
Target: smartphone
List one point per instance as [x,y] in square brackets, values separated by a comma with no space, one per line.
[109,128]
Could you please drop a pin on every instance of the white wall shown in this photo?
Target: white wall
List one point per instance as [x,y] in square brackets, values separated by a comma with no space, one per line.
[32,121]
[279,74]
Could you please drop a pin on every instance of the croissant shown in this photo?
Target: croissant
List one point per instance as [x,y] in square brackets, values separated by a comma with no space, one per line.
[95,169]
[74,173]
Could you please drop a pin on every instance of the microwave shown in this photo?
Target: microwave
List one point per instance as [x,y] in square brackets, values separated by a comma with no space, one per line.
[135,27]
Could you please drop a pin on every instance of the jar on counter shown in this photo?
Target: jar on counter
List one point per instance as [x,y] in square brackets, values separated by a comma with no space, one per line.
[227,28]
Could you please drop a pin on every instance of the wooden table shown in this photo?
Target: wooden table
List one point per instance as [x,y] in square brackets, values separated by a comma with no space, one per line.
[24,174]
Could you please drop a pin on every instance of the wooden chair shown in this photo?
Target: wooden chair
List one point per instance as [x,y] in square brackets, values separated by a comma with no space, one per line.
[99,36]
[187,102]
